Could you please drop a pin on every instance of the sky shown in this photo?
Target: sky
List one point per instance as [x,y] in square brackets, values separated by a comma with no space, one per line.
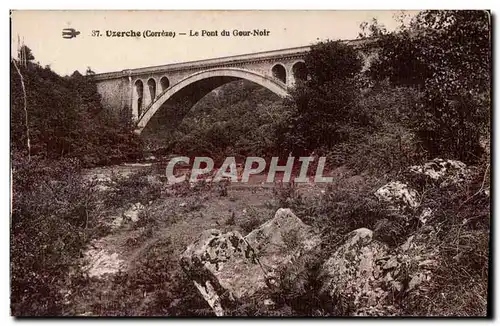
[42,32]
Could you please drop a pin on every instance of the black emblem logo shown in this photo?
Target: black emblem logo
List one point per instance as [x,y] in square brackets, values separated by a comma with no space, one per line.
[69,33]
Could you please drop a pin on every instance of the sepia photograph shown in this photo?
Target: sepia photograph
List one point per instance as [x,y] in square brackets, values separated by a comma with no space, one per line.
[250,163]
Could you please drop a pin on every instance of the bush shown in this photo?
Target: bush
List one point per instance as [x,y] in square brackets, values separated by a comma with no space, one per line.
[65,119]
[153,286]
[390,145]
[252,220]
[53,217]
[446,55]
[141,186]
[323,110]
[461,218]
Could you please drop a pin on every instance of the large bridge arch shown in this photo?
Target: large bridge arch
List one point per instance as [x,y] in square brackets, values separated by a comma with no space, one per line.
[199,84]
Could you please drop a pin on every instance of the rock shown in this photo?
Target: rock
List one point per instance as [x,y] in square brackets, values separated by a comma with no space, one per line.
[444,172]
[396,285]
[352,273]
[391,263]
[102,177]
[133,212]
[226,268]
[99,262]
[485,143]
[425,215]
[406,246]
[428,262]
[223,267]
[398,194]
[117,222]
[404,201]
[365,274]
[154,180]
[281,240]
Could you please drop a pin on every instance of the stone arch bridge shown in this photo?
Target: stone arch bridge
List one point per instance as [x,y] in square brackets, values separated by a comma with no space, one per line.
[143,91]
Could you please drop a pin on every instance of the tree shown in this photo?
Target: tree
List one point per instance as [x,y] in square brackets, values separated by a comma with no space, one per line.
[324,108]
[372,29]
[447,56]
[26,54]
[66,119]
[89,72]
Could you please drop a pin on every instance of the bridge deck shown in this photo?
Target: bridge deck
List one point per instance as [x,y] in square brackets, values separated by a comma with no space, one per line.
[210,63]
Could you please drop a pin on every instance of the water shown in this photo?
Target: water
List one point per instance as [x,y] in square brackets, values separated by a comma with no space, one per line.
[122,170]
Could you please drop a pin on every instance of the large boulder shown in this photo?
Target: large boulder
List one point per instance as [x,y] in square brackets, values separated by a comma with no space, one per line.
[352,274]
[281,240]
[365,274]
[227,267]
[223,267]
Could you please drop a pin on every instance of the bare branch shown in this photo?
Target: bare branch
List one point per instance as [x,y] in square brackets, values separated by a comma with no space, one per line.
[25,110]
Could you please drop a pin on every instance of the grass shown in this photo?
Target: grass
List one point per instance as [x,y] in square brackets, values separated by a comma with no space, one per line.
[152,247]
[251,220]
[459,234]
[154,284]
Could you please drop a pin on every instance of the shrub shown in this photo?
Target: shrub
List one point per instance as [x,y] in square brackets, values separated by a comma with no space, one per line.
[323,109]
[154,285]
[446,55]
[252,220]
[53,217]
[141,186]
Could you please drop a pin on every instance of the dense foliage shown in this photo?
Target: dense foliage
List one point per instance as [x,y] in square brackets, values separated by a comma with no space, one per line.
[324,108]
[53,209]
[53,217]
[446,55]
[66,120]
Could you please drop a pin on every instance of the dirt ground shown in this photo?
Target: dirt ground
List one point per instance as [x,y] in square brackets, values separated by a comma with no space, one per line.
[178,217]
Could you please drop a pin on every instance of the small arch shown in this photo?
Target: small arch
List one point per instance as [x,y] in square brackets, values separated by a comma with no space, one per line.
[138,97]
[279,72]
[164,83]
[152,89]
[299,70]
